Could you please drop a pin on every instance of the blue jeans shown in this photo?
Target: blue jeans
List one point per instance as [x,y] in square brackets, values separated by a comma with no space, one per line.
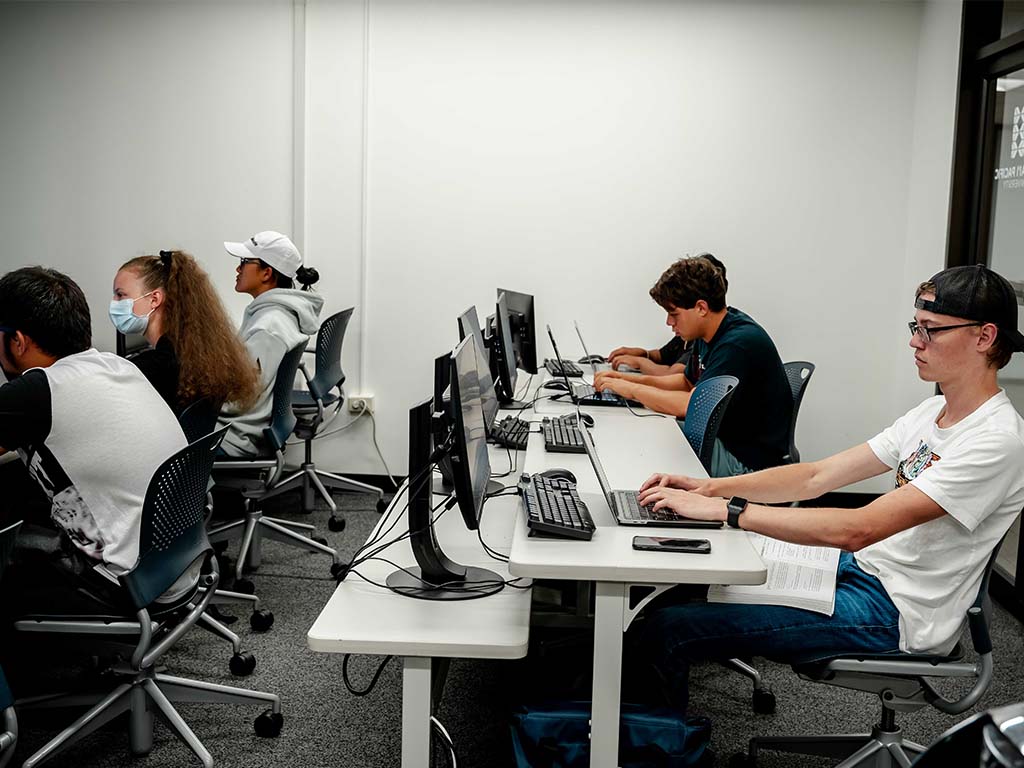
[674,635]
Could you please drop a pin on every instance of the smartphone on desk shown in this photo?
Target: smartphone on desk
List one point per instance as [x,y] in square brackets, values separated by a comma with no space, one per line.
[669,544]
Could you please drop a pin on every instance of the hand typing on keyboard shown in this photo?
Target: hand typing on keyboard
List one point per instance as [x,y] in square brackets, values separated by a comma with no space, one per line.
[614,381]
[660,479]
[686,503]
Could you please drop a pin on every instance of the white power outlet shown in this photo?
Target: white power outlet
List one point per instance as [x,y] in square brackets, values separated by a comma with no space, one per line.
[357,403]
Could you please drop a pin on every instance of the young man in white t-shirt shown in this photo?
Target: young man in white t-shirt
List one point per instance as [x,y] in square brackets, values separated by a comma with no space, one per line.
[91,431]
[914,558]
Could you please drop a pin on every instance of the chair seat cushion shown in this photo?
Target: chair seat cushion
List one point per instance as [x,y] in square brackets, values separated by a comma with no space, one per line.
[157,611]
[303,401]
[822,667]
[6,699]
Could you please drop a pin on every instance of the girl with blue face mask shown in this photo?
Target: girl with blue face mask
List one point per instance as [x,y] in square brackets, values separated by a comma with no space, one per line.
[194,350]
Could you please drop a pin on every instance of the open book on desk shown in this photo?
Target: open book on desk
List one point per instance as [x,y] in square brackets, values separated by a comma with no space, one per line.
[798,576]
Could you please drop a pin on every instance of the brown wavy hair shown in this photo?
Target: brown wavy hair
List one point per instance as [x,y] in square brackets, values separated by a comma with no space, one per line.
[688,280]
[212,360]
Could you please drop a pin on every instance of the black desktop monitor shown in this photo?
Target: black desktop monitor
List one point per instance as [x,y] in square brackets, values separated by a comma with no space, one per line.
[469,325]
[504,357]
[471,467]
[443,421]
[126,346]
[522,324]
[437,577]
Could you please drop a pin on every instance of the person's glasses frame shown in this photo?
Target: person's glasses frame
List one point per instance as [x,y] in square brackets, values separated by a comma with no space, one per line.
[243,260]
[926,333]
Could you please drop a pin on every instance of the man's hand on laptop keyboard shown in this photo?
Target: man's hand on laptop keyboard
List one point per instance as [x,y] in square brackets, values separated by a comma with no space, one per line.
[615,382]
[682,482]
[685,503]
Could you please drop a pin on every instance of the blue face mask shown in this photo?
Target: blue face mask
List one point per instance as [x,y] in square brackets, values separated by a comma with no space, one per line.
[125,320]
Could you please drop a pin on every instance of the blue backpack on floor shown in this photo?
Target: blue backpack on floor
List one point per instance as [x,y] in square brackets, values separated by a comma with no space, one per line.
[557,735]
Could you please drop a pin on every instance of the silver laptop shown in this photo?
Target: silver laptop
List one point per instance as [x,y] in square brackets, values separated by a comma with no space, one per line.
[624,504]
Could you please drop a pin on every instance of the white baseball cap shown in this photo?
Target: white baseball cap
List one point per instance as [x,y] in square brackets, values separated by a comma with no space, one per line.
[272,248]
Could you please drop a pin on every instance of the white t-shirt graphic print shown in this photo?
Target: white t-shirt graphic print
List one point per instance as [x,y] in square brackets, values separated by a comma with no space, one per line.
[974,470]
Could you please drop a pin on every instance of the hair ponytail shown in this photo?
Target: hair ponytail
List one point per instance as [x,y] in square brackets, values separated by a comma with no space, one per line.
[307,277]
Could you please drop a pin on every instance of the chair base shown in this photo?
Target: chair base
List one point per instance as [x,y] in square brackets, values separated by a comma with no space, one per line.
[148,693]
[309,479]
[878,749]
[762,699]
[9,736]
[252,528]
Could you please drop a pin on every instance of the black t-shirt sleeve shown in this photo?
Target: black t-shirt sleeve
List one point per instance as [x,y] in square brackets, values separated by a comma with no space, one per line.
[672,351]
[729,359]
[25,411]
[160,367]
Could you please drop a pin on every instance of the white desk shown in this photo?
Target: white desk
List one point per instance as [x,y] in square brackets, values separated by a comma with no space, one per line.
[363,618]
[631,448]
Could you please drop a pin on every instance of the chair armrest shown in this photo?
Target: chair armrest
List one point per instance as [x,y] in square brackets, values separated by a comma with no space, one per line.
[242,464]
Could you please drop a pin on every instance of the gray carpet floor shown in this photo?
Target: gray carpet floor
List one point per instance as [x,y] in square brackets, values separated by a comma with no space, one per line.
[327,726]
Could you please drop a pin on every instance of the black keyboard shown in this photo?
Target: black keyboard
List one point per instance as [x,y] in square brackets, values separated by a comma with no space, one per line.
[554,509]
[587,395]
[571,369]
[562,435]
[511,432]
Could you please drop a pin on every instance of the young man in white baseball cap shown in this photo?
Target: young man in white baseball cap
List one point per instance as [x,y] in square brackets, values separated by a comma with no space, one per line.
[279,318]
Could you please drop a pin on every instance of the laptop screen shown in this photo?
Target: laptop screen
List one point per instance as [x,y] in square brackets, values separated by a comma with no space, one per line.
[561,367]
[588,445]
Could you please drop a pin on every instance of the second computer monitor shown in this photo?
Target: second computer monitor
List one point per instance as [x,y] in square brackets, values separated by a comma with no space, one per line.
[504,355]
[469,325]
[523,327]
[471,468]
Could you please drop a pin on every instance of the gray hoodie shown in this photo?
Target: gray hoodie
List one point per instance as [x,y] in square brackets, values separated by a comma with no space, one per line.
[273,323]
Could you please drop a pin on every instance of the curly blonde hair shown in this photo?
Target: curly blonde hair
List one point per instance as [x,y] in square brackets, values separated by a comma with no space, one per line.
[212,360]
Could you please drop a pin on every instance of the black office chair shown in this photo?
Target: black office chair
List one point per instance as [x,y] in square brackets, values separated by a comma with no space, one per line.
[171,543]
[8,717]
[902,683]
[310,406]
[704,414]
[198,420]
[798,373]
[257,480]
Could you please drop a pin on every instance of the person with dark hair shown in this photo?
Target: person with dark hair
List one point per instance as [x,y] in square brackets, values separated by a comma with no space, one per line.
[913,559]
[279,318]
[754,434]
[194,351]
[91,431]
[664,360]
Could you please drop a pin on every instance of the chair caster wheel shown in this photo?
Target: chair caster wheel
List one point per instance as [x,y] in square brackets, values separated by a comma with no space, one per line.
[242,664]
[764,702]
[336,524]
[742,760]
[381,505]
[244,586]
[261,620]
[338,568]
[319,540]
[268,725]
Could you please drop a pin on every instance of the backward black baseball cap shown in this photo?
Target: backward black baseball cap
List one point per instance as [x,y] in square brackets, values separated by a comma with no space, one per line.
[976,293]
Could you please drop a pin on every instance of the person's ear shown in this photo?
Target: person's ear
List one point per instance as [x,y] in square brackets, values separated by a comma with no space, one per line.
[702,307]
[987,336]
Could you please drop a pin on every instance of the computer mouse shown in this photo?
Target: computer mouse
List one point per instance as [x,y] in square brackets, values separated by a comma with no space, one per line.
[557,473]
[559,385]
[586,418]
[587,360]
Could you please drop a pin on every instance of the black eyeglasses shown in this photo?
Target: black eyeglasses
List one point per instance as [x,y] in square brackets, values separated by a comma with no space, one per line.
[926,333]
[243,261]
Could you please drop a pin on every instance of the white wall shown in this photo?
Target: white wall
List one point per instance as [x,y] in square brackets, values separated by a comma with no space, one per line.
[564,149]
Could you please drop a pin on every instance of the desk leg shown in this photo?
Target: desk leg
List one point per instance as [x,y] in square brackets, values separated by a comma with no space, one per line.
[416,709]
[604,728]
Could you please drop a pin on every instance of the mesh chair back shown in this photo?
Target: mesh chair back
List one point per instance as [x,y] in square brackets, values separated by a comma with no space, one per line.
[704,414]
[329,339]
[199,419]
[7,538]
[173,532]
[282,419]
[798,373]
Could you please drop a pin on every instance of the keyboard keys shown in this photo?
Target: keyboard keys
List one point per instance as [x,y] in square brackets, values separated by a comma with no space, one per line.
[511,432]
[562,435]
[571,369]
[554,508]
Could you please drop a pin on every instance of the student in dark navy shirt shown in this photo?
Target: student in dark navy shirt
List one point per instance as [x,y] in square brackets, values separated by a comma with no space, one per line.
[754,433]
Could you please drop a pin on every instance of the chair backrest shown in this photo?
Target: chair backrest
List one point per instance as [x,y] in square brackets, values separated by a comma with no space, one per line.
[704,414]
[798,373]
[7,538]
[282,419]
[329,340]
[199,419]
[173,534]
